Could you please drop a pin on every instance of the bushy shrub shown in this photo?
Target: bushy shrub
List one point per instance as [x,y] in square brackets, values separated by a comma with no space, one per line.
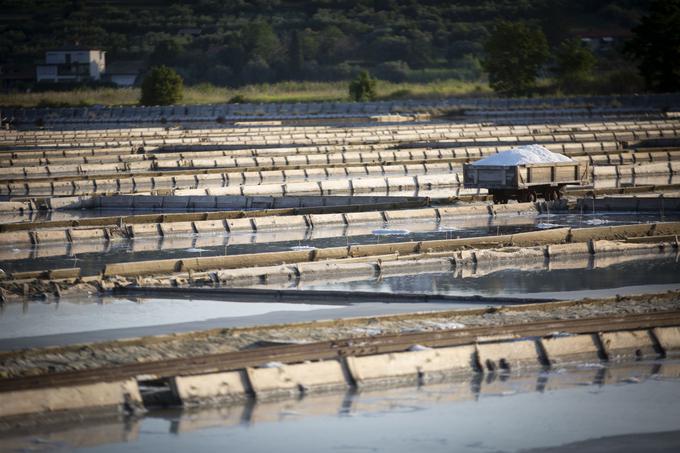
[162,86]
[363,88]
[238,99]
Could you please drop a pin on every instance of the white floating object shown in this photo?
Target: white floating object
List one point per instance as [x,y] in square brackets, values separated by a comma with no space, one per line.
[589,365]
[303,247]
[196,250]
[390,232]
[596,222]
[528,154]
[547,226]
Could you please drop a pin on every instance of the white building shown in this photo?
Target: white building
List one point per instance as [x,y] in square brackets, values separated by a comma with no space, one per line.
[71,65]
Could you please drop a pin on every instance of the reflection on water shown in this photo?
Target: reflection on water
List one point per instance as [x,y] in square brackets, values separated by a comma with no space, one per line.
[76,319]
[576,277]
[599,183]
[633,181]
[91,256]
[527,410]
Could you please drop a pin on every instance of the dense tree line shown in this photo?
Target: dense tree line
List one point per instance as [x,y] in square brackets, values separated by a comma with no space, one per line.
[516,52]
[256,41]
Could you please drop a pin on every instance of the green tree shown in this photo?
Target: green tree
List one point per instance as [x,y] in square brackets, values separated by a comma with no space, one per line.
[259,40]
[515,52]
[162,86]
[656,44]
[575,64]
[363,88]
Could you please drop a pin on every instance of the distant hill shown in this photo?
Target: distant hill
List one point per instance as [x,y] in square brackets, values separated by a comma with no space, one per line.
[255,41]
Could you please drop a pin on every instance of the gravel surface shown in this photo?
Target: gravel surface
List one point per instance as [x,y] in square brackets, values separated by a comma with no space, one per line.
[78,357]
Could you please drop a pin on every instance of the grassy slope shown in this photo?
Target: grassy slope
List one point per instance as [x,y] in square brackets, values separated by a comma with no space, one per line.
[279,92]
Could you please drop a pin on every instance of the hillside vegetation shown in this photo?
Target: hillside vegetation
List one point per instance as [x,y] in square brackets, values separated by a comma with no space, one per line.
[235,43]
